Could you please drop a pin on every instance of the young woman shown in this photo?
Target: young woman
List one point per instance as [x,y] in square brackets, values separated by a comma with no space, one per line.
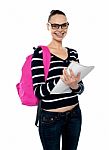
[60,113]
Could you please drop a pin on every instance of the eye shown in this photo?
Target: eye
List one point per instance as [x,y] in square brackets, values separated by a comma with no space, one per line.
[55,26]
[65,25]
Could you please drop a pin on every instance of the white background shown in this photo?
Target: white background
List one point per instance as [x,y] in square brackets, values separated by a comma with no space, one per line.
[22,26]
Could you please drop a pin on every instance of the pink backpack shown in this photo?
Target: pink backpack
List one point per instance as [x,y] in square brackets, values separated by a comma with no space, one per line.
[25,86]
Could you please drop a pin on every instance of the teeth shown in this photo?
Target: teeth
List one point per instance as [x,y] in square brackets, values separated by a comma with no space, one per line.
[59,34]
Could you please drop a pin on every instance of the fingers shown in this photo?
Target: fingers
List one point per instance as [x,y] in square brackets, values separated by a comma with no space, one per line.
[78,76]
[62,77]
[72,75]
[70,79]
[66,76]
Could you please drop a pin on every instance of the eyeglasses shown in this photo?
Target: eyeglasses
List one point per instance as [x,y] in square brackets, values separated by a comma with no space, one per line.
[56,26]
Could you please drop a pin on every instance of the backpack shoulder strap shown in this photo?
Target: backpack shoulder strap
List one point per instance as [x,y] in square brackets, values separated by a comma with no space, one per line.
[46,60]
[46,63]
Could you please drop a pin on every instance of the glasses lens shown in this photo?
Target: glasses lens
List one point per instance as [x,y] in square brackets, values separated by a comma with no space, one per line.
[55,26]
[65,25]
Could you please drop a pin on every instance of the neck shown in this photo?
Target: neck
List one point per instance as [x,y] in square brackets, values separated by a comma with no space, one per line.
[55,44]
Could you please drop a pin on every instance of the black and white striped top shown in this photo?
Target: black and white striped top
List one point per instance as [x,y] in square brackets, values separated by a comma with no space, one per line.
[43,88]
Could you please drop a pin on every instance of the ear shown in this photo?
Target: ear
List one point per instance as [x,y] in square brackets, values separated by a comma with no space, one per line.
[47,26]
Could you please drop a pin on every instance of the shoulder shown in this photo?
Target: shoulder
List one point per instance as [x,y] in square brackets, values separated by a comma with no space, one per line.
[37,52]
[37,49]
[72,52]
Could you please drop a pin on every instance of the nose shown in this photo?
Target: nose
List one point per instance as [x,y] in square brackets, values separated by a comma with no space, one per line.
[60,28]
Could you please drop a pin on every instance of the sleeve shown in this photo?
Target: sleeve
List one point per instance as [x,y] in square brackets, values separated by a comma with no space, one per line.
[80,89]
[41,87]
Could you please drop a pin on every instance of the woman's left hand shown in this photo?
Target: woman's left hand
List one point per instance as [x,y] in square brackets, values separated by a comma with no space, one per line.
[70,79]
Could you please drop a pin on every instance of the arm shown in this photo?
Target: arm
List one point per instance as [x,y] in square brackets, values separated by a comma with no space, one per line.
[41,87]
[71,80]
[80,88]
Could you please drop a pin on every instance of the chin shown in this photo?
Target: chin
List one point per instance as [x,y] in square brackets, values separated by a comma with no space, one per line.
[58,40]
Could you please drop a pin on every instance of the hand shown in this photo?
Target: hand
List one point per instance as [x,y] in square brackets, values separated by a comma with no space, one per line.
[70,79]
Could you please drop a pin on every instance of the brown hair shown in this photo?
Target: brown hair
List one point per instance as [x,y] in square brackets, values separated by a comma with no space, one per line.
[54,12]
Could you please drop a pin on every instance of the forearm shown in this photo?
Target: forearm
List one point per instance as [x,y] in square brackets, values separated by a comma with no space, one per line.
[44,89]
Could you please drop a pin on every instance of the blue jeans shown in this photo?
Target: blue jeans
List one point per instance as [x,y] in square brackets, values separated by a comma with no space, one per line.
[54,124]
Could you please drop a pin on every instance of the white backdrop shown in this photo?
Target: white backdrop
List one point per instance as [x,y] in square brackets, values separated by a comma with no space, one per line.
[22,26]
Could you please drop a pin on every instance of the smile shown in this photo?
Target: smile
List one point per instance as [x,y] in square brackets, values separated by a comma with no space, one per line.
[59,34]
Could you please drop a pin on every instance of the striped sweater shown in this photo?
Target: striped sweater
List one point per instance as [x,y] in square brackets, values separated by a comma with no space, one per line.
[43,88]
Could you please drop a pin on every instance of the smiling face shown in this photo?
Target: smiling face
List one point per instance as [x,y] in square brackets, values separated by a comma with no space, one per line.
[58,27]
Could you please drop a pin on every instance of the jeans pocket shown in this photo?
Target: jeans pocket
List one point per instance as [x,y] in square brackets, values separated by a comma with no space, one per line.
[47,119]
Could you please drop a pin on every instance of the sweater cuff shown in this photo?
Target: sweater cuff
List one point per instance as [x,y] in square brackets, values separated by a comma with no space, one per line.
[78,90]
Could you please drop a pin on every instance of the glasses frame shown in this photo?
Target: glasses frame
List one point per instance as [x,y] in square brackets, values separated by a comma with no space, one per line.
[58,25]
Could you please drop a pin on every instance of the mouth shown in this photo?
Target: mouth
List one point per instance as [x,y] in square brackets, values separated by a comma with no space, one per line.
[59,34]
